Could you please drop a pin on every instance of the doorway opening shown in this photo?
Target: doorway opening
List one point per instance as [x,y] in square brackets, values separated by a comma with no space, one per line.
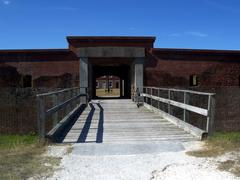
[111,82]
[108,86]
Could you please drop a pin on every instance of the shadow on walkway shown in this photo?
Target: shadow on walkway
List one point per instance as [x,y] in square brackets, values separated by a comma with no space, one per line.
[83,136]
[61,135]
[100,131]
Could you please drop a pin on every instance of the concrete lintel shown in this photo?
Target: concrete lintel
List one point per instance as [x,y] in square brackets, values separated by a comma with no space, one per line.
[122,52]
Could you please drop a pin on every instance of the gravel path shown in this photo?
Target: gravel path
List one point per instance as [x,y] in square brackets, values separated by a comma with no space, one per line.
[160,164]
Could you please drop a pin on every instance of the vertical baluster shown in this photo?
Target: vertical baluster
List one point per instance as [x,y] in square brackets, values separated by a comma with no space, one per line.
[144,98]
[86,92]
[151,92]
[80,99]
[211,114]
[185,112]
[70,104]
[55,103]
[41,118]
[64,99]
[169,98]
[71,96]
[147,97]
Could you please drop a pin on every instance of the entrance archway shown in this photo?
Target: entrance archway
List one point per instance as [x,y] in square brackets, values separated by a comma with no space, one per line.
[120,56]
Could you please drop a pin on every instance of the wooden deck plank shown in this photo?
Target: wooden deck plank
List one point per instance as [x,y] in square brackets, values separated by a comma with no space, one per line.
[120,121]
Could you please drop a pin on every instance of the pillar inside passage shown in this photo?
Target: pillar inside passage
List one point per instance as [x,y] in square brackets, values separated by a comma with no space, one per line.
[138,73]
[83,76]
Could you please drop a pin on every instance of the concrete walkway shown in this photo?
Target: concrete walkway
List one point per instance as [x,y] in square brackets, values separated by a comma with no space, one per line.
[152,161]
[120,121]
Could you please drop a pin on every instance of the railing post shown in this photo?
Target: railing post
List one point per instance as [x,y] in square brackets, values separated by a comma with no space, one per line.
[87,95]
[84,99]
[75,93]
[69,107]
[151,96]
[55,100]
[158,96]
[144,91]
[41,118]
[138,96]
[211,114]
[135,95]
[81,98]
[169,98]
[185,112]
[72,104]
[64,94]
[147,98]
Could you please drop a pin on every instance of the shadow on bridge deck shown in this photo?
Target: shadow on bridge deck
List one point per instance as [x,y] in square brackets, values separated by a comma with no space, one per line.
[120,121]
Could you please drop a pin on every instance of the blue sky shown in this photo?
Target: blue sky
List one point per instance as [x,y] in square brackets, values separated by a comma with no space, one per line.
[205,24]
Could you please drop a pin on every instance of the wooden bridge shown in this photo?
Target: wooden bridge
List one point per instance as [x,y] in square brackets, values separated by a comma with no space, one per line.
[148,117]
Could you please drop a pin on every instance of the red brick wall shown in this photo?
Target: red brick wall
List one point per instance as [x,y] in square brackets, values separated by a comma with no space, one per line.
[42,64]
[165,71]
[217,73]
[53,70]
[38,69]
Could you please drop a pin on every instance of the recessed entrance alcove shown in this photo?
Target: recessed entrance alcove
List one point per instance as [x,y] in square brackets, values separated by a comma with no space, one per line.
[122,57]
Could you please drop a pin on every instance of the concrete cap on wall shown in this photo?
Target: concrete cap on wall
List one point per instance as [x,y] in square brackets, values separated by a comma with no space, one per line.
[113,41]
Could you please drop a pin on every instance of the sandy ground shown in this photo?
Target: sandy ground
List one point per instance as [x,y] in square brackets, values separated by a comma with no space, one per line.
[165,165]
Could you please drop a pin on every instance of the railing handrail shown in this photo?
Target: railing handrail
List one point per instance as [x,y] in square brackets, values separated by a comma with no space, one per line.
[195,109]
[56,108]
[208,112]
[182,90]
[59,91]
[57,105]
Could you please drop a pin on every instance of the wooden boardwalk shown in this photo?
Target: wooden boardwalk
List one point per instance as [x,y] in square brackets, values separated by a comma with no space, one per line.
[120,121]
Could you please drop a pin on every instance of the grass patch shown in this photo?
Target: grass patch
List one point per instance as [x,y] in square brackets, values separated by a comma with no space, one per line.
[11,142]
[21,158]
[219,144]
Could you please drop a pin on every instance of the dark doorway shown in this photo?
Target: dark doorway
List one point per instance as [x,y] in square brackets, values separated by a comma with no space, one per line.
[123,81]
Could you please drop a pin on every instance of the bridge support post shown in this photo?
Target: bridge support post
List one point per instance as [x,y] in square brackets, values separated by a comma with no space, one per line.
[41,118]
[138,75]
[211,114]
[55,103]
[83,79]
[185,112]
[169,106]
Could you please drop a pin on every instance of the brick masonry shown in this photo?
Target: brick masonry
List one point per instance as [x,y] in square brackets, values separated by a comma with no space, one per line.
[168,69]
[217,71]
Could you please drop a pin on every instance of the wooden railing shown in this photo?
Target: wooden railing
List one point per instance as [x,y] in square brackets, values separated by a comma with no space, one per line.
[151,94]
[49,104]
